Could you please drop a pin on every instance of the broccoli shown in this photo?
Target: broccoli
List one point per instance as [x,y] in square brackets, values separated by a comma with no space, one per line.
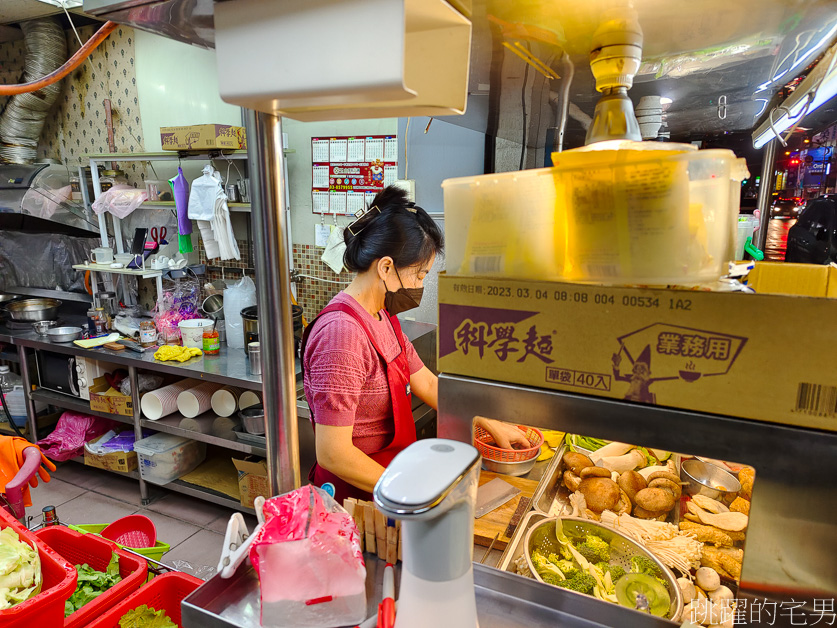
[594,549]
[581,582]
[567,567]
[551,578]
[615,571]
[644,565]
[546,568]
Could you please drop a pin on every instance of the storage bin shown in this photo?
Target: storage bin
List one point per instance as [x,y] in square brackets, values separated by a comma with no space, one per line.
[646,213]
[617,212]
[504,225]
[163,593]
[165,457]
[154,553]
[78,549]
[58,584]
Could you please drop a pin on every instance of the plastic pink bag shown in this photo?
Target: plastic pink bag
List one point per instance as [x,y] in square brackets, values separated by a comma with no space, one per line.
[120,200]
[309,562]
[72,431]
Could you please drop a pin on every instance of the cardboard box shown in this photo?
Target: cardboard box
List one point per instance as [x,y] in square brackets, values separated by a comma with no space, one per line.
[121,461]
[105,399]
[252,479]
[768,357]
[203,137]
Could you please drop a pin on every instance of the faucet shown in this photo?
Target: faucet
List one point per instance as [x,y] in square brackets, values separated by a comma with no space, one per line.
[431,487]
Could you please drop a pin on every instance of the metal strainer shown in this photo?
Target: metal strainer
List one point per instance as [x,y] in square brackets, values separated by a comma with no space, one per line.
[622,549]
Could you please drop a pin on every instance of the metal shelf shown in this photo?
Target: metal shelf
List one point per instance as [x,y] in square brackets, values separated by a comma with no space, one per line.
[79,405]
[171,425]
[134,475]
[105,268]
[234,207]
[179,486]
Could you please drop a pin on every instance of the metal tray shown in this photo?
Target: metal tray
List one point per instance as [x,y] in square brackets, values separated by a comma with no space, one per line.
[550,485]
[514,549]
[250,439]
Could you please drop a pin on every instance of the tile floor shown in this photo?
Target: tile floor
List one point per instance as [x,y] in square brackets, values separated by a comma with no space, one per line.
[194,528]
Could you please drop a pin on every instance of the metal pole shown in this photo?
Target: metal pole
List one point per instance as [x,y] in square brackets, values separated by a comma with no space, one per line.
[135,402]
[31,414]
[765,186]
[273,283]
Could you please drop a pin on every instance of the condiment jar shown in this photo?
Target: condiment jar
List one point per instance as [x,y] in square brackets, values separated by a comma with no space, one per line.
[148,333]
[92,315]
[110,178]
[101,321]
[211,342]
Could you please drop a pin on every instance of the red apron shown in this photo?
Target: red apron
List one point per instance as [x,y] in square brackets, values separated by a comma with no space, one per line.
[398,378]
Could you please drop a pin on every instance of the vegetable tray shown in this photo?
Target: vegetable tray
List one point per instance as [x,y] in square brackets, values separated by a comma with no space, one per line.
[59,582]
[163,593]
[78,549]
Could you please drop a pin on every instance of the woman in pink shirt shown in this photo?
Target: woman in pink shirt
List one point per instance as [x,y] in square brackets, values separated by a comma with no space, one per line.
[359,367]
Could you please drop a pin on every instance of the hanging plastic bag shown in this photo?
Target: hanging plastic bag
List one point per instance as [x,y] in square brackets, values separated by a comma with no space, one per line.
[236,298]
[73,429]
[309,562]
[202,196]
[120,200]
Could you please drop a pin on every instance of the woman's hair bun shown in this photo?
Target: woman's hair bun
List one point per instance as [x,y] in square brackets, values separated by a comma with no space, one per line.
[398,229]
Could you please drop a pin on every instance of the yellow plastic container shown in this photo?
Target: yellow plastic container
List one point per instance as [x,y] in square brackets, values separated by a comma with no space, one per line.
[646,214]
[504,225]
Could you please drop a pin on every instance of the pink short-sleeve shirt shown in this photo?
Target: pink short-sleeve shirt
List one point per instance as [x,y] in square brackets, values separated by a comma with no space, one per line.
[345,379]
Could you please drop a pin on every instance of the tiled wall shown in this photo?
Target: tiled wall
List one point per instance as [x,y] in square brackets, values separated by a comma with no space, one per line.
[76,126]
[313,295]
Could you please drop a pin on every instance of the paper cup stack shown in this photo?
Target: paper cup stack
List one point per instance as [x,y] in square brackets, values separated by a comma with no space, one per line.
[197,400]
[248,398]
[225,400]
[162,402]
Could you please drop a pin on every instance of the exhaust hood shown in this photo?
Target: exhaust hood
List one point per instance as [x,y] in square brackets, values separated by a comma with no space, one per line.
[721,63]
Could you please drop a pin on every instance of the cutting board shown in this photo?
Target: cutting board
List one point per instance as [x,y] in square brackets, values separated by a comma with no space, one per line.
[497,520]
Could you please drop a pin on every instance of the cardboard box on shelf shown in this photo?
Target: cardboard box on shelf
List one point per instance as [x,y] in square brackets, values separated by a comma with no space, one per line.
[203,137]
[728,353]
[252,479]
[122,461]
[103,398]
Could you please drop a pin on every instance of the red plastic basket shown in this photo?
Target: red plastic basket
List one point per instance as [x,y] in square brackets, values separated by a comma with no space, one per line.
[132,531]
[163,593]
[59,582]
[78,549]
[484,442]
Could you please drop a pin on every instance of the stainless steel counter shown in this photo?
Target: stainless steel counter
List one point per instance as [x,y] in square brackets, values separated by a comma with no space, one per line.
[228,367]
[503,601]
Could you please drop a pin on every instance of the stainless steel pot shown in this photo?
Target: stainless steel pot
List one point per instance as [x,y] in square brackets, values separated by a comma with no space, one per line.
[32,310]
[250,319]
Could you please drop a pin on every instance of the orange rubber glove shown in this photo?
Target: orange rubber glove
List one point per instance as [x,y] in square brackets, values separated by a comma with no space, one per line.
[11,460]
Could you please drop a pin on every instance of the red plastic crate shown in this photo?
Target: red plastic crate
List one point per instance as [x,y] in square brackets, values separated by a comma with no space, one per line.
[163,593]
[59,581]
[78,549]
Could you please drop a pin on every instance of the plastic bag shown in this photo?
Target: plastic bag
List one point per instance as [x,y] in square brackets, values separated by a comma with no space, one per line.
[309,562]
[204,191]
[120,200]
[72,431]
[146,383]
[236,298]
[179,302]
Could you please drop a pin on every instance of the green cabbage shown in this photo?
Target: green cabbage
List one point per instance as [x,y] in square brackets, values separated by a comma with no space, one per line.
[146,617]
[20,570]
[91,584]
